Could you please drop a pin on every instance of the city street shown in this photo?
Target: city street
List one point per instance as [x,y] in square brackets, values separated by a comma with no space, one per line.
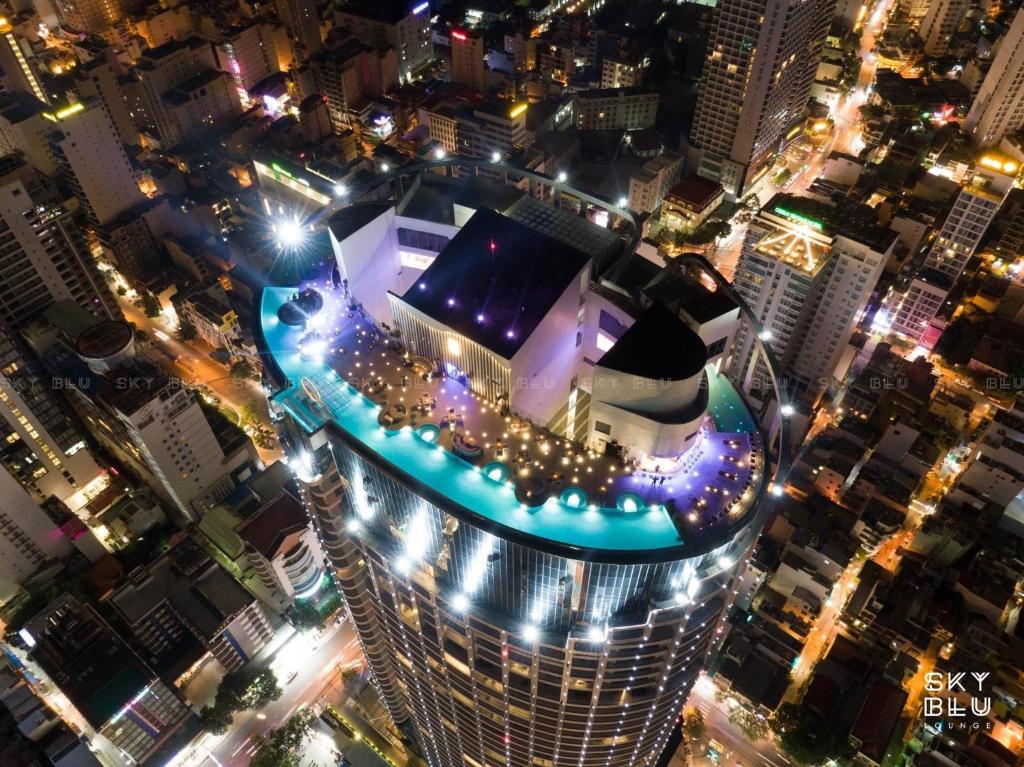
[191,362]
[740,749]
[305,670]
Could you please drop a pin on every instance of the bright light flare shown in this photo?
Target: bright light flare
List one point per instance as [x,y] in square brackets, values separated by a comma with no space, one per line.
[289,233]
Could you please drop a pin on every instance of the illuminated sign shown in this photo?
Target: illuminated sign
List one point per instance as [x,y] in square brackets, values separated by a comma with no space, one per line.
[421,7]
[461,36]
[65,112]
[799,218]
[517,110]
[997,163]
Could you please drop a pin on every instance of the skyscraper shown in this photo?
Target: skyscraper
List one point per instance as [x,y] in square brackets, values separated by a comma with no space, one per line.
[975,206]
[45,261]
[27,537]
[998,109]
[303,22]
[760,65]
[940,23]
[468,66]
[89,154]
[522,597]
[807,271]
[88,15]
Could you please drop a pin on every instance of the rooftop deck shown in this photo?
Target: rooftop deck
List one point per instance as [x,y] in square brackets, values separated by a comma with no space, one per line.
[460,451]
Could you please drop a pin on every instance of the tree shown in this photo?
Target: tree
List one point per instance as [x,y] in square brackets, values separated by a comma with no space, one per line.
[215,719]
[807,737]
[250,414]
[753,726]
[243,370]
[280,747]
[693,724]
[305,617]
[150,305]
[186,331]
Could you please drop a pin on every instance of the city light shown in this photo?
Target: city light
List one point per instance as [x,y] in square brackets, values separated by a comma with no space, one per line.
[460,602]
[765,335]
[562,177]
[530,633]
[340,190]
[495,156]
[439,153]
[623,202]
[289,233]
[787,410]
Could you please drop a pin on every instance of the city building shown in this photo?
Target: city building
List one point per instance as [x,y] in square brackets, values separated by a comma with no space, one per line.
[214,319]
[303,22]
[468,66]
[482,130]
[190,455]
[940,24]
[116,694]
[28,538]
[184,608]
[98,80]
[47,261]
[651,182]
[807,271]
[183,92]
[974,208]
[90,157]
[543,519]
[688,204]
[615,108]
[762,58]
[349,72]
[283,548]
[88,16]
[621,70]
[41,448]
[404,27]
[19,65]
[998,108]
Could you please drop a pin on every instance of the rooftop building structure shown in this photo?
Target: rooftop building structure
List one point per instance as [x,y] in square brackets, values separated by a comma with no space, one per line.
[508,482]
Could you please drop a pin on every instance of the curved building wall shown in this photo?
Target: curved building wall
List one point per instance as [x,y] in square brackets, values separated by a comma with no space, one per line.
[504,654]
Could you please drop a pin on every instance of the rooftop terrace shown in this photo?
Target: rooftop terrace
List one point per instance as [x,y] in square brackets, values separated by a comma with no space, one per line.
[462,453]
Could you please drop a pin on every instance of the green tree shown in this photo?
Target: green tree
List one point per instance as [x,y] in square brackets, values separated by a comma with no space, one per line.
[186,331]
[250,414]
[150,305]
[806,737]
[693,724]
[215,719]
[305,617]
[754,727]
[279,748]
[244,370]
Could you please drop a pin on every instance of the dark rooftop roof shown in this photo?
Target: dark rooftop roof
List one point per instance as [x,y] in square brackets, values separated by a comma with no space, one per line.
[501,270]
[658,346]
[387,11]
[696,190]
[266,529]
[352,218]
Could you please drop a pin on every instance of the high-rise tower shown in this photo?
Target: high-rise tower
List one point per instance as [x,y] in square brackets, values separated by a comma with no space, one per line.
[760,65]
[522,596]
[998,109]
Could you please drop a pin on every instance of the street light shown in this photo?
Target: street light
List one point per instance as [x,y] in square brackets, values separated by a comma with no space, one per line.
[623,202]
[562,177]
[495,156]
[340,190]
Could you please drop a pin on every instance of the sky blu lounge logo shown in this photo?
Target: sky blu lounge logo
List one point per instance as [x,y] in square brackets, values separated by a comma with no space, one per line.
[957,700]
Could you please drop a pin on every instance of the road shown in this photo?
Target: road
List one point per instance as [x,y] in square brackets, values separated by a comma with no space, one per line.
[316,664]
[741,750]
[191,362]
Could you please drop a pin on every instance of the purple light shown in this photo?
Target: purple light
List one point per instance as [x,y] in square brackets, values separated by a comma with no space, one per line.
[451,302]
[423,286]
[479,318]
[510,334]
